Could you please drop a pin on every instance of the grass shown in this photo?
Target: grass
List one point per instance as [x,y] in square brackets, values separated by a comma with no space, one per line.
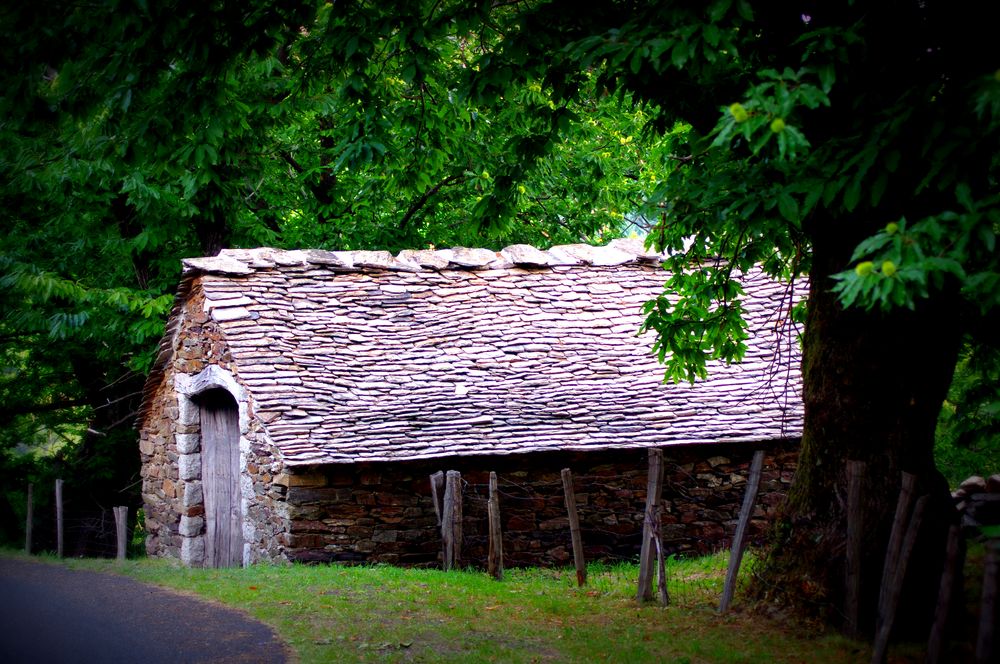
[389,614]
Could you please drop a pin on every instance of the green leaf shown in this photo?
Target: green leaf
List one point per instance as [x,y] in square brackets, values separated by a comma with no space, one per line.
[963,193]
[788,207]
[988,237]
[878,188]
[891,159]
[813,192]
[745,9]
[852,195]
[947,265]
[718,10]
[711,35]
[636,62]
[831,189]
[827,77]
[679,54]
[870,245]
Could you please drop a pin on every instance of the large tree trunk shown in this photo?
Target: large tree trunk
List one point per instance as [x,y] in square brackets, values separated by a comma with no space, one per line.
[873,386]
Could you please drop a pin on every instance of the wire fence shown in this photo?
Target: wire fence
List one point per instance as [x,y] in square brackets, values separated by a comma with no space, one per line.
[610,503]
[88,529]
[700,510]
[610,506]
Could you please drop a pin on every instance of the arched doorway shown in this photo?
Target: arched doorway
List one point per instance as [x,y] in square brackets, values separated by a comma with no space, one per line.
[220,476]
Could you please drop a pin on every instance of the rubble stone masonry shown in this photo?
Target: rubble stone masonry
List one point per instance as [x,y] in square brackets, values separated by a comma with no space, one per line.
[383,512]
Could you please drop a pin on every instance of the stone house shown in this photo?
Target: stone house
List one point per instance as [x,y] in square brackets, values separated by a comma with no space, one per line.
[301,399]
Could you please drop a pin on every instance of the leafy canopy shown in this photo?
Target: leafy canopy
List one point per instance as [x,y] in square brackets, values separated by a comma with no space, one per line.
[137,134]
[134,134]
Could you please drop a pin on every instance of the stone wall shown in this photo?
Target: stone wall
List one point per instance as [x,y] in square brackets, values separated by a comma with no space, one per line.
[383,512]
[170,448]
[977,499]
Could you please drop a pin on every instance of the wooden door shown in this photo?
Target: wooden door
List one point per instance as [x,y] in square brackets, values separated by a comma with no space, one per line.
[220,476]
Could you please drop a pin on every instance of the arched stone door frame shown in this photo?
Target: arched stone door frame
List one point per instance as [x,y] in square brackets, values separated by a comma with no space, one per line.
[190,461]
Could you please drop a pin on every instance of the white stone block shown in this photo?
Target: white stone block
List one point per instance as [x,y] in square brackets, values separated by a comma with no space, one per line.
[187,411]
[193,551]
[187,443]
[223,314]
[193,494]
[189,466]
[191,526]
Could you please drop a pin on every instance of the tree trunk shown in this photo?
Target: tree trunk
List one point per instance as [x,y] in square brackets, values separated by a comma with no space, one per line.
[873,384]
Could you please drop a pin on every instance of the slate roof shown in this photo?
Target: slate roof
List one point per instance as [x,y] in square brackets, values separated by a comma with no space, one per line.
[362,356]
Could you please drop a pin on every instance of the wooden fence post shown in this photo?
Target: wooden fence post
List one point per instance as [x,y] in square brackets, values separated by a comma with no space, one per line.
[988,605]
[121,529]
[437,494]
[952,563]
[494,564]
[661,565]
[740,537]
[855,526]
[29,520]
[574,527]
[899,522]
[650,525]
[451,519]
[59,518]
[887,613]
[437,497]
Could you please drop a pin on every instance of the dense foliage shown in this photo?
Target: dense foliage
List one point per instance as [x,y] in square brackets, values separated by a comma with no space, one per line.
[850,144]
[968,435]
[134,135]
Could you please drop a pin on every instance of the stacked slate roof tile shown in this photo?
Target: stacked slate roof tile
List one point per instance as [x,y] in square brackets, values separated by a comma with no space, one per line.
[364,356]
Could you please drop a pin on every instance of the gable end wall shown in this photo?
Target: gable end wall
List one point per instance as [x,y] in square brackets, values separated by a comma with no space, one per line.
[170,452]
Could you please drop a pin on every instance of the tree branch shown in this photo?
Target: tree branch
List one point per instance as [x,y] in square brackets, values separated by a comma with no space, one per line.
[422,201]
[6,414]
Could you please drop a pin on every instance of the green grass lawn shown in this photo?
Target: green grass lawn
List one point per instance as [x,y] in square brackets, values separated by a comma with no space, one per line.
[389,614]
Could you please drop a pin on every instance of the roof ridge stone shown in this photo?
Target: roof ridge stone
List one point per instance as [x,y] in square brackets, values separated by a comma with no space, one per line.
[237,262]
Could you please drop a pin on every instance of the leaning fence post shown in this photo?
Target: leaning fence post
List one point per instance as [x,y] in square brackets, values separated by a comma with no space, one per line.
[121,528]
[661,566]
[437,494]
[574,527]
[495,561]
[740,537]
[887,613]
[952,563]
[903,507]
[650,525]
[437,497]
[29,519]
[59,518]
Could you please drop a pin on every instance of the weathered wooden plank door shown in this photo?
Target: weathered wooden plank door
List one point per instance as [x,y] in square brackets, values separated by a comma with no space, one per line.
[220,473]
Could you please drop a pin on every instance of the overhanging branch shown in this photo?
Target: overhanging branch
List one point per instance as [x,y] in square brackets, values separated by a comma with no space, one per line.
[426,196]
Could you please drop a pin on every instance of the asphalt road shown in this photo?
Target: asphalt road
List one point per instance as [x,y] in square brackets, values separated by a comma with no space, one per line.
[52,614]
